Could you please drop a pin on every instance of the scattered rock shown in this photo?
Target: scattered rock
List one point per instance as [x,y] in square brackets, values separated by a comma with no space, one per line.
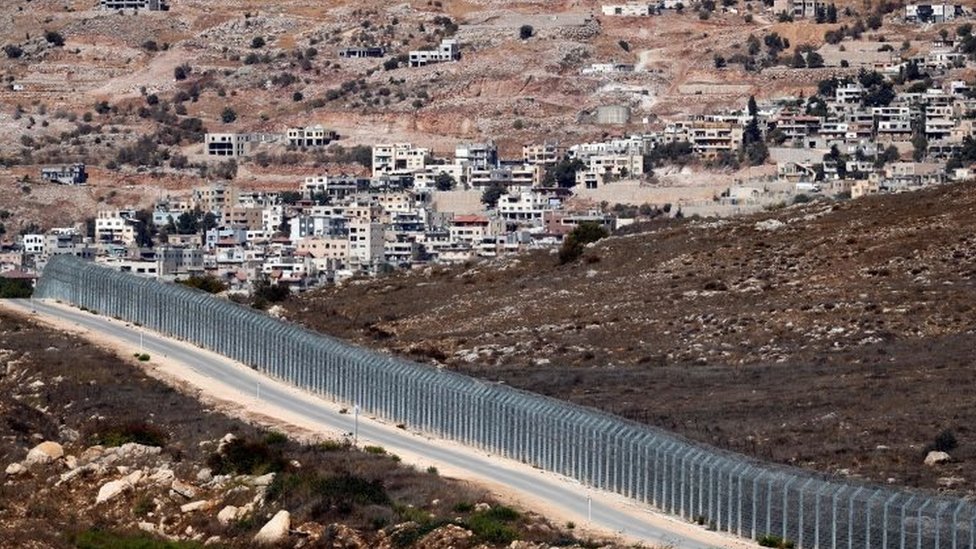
[769,225]
[227,439]
[111,489]
[446,537]
[205,475]
[183,489]
[195,506]
[71,462]
[263,480]
[481,507]
[43,453]
[227,515]
[275,530]
[15,469]
[950,482]
[936,458]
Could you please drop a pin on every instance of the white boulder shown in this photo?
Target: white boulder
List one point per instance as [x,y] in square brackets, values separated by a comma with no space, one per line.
[111,489]
[936,458]
[45,452]
[275,530]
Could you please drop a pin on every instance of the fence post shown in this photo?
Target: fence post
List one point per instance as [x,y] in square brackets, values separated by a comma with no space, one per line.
[919,522]
[803,490]
[850,517]
[786,506]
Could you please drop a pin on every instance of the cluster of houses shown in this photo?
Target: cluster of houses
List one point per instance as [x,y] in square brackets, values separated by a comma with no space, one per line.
[331,227]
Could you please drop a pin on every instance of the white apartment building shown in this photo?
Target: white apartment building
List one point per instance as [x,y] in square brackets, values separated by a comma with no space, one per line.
[630,9]
[448,50]
[310,136]
[115,226]
[399,158]
[479,156]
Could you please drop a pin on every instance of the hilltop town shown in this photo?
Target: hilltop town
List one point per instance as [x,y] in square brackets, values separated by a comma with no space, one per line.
[883,116]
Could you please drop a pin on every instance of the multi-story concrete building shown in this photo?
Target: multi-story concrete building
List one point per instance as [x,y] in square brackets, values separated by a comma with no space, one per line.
[630,9]
[932,13]
[151,5]
[310,136]
[800,8]
[479,156]
[398,158]
[448,50]
[362,52]
[116,226]
[72,174]
[546,153]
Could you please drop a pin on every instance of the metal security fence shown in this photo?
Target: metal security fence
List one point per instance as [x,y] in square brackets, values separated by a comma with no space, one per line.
[721,489]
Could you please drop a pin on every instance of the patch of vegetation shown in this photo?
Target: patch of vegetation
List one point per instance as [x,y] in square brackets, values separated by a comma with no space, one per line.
[575,242]
[772,540]
[207,283]
[326,495]
[11,288]
[244,457]
[493,525]
[133,431]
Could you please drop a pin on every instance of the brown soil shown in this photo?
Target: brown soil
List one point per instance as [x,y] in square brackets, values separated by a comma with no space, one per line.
[841,340]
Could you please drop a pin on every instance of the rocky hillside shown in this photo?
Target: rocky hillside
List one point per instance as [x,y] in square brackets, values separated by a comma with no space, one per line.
[834,335]
[96,455]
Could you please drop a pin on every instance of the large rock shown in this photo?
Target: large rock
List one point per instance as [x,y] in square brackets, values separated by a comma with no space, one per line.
[275,530]
[227,515]
[111,489]
[936,458]
[45,452]
[263,480]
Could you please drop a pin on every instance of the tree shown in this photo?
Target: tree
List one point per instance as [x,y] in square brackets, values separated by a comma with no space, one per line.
[181,72]
[257,42]
[209,221]
[54,38]
[207,283]
[228,115]
[13,51]
[798,61]
[920,147]
[290,197]
[890,154]
[187,223]
[526,32]
[814,60]
[491,195]
[11,288]
[444,182]
[719,61]
[264,293]
[831,13]
[297,96]
[563,174]
[575,242]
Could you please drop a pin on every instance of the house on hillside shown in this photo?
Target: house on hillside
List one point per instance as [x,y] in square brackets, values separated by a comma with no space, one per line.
[72,174]
[151,5]
[932,13]
[362,52]
[448,50]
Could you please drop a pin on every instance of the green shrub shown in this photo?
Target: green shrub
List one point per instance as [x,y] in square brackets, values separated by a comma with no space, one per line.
[244,457]
[378,450]
[274,437]
[575,242]
[134,431]
[772,540]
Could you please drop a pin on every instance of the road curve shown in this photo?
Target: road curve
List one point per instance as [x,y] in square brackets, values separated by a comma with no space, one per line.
[602,512]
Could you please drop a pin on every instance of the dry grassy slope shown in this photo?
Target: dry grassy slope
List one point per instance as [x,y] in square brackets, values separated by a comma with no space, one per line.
[60,388]
[846,329]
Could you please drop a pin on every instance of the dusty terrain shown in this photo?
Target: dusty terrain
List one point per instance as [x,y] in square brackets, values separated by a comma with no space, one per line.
[179,469]
[837,336]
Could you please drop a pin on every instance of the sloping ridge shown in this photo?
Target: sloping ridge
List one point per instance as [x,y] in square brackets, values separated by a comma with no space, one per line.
[731,492]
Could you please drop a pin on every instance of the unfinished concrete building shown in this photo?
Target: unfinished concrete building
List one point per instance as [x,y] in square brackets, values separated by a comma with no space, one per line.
[151,5]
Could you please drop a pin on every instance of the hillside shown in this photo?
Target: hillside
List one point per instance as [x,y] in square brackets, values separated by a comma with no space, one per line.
[97,454]
[836,336]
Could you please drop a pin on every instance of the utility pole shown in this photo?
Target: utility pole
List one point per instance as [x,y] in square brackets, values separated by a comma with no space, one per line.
[589,509]
[257,385]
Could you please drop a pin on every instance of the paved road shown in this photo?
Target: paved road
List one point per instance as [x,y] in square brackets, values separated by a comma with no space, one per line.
[607,512]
